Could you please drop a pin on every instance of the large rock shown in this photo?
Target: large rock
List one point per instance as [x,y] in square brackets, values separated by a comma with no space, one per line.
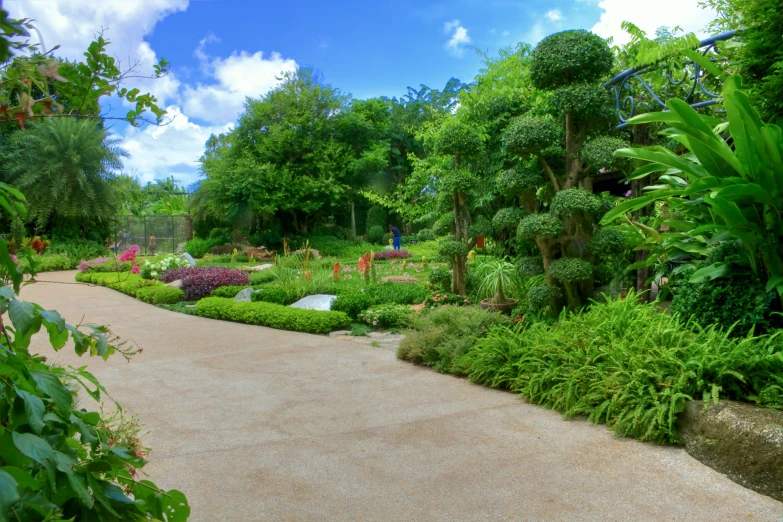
[314,254]
[741,440]
[187,257]
[257,268]
[405,279]
[321,302]
[177,283]
[244,296]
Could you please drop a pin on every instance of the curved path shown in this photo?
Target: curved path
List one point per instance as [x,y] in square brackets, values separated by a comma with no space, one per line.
[259,424]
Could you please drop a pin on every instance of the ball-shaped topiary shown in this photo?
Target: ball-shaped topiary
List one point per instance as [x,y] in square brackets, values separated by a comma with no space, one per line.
[572,201]
[526,177]
[444,224]
[376,216]
[441,278]
[585,100]
[539,298]
[570,269]
[607,243]
[530,266]
[461,180]
[375,234]
[599,153]
[570,57]
[525,135]
[451,248]
[454,137]
[481,226]
[425,234]
[507,219]
[539,225]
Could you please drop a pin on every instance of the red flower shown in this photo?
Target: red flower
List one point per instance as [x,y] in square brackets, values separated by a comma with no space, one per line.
[518,318]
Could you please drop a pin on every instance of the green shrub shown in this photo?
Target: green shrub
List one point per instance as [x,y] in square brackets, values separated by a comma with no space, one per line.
[444,225]
[450,248]
[539,299]
[387,315]
[260,278]
[127,283]
[438,336]
[530,266]
[404,294]
[507,219]
[272,315]
[219,236]
[198,247]
[425,234]
[441,278]
[352,302]
[738,303]
[629,365]
[52,262]
[376,217]
[273,294]
[570,270]
[539,225]
[267,238]
[334,247]
[572,201]
[159,294]
[386,238]
[569,57]
[360,330]
[481,226]
[78,249]
[375,234]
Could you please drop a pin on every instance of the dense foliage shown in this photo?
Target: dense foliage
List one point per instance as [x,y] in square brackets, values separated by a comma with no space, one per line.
[199,281]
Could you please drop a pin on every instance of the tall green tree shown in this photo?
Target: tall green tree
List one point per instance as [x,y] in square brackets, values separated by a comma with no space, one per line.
[63,166]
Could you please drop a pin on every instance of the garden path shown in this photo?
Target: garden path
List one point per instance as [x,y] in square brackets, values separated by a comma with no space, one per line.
[259,424]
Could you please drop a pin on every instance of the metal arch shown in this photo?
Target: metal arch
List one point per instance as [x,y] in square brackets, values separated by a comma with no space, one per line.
[624,91]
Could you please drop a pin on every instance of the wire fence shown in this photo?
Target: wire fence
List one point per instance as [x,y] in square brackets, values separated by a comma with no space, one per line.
[153,234]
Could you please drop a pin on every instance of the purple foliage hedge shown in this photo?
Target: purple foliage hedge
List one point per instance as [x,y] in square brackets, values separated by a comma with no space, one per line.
[392,254]
[199,281]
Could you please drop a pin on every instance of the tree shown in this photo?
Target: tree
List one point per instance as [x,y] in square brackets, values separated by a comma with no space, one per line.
[63,166]
[567,144]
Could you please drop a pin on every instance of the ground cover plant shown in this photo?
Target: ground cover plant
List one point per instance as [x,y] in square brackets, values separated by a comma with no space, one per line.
[272,315]
[626,364]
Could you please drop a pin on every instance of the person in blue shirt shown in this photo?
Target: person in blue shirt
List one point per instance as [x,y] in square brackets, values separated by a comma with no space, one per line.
[397,236]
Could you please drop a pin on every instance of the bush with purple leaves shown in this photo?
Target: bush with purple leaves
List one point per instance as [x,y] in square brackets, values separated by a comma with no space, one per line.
[199,281]
[392,254]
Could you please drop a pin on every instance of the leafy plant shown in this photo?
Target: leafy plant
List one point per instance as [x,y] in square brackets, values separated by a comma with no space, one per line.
[629,365]
[716,191]
[375,234]
[440,278]
[391,254]
[438,337]
[272,315]
[155,270]
[425,234]
[388,315]
[159,294]
[499,279]
[353,303]
[198,247]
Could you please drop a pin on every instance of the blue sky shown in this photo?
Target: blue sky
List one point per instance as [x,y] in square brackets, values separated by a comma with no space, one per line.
[225,50]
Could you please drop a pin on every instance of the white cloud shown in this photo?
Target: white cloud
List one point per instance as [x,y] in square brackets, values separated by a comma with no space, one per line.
[459,37]
[506,33]
[238,76]
[554,15]
[173,149]
[649,16]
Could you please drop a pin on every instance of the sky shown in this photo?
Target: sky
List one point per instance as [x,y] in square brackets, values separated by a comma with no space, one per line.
[223,51]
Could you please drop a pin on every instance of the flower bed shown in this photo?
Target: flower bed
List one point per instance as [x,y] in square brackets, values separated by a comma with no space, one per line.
[199,281]
[391,254]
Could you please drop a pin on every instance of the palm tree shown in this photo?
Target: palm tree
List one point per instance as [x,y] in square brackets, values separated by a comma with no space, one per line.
[63,166]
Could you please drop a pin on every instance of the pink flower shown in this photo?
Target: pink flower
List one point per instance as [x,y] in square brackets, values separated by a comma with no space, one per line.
[628,194]
[136,269]
[410,265]
[14,258]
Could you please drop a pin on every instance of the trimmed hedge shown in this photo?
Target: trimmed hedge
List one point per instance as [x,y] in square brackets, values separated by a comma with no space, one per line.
[159,294]
[272,315]
[126,283]
[228,291]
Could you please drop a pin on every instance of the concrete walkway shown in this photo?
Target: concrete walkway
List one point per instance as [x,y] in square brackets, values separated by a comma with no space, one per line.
[259,424]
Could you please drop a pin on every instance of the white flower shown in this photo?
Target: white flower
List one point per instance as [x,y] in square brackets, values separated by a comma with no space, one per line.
[154,274]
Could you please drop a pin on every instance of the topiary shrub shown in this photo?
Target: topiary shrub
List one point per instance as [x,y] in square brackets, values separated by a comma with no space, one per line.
[199,281]
[530,266]
[567,57]
[260,278]
[526,177]
[272,315]
[160,294]
[425,234]
[440,278]
[538,298]
[539,225]
[570,270]
[375,234]
[607,243]
[353,303]
[599,153]
[451,248]
[572,201]
[526,135]
[481,226]
[273,294]
[227,291]
[444,225]
[586,100]
[507,219]
[376,217]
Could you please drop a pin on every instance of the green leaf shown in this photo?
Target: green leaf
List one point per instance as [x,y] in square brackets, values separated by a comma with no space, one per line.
[634,204]
[8,493]
[34,447]
[50,384]
[35,409]
[710,272]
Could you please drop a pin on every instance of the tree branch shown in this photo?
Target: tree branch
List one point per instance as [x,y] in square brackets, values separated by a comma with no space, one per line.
[549,172]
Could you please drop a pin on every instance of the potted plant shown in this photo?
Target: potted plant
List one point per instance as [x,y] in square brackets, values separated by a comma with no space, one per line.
[498,277]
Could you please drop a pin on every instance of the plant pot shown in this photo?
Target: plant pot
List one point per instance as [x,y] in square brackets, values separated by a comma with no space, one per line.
[480,242]
[487,304]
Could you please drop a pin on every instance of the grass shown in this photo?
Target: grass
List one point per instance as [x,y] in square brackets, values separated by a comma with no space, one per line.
[183,307]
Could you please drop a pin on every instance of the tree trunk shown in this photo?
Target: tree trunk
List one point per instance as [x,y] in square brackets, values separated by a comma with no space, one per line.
[353,220]
[458,275]
[461,223]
